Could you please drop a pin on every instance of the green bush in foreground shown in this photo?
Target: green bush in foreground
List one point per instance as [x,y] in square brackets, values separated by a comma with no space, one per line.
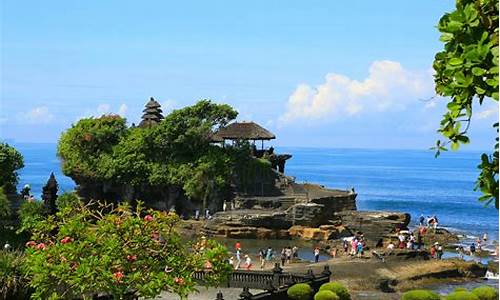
[485,293]
[461,295]
[13,285]
[326,295]
[460,289]
[300,291]
[340,290]
[420,295]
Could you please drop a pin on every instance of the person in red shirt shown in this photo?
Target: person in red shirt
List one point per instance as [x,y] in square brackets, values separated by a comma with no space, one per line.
[237,246]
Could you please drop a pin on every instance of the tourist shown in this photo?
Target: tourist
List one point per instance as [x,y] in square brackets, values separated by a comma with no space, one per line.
[411,242]
[237,246]
[238,259]
[439,251]
[231,261]
[269,253]
[345,245]
[429,221]
[460,251]
[391,246]
[472,249]
[402,239]
[197,214]
[485,237]
[262,257]
[295,252]
[207,214]
[333,252]
[360,249]
[435,224]
[421,220]
[224,206]
[316,254]
[354,246]
[433,251]
[380,243]
[288,253]
[283,257]
[479,246]
[248,262]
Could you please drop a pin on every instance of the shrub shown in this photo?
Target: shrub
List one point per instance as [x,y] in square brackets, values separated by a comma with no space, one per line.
[337,288]
[461,295]
[31,215]
[79,252]
[326,295]
[67,199]
[13,285]
[485,293]
[460,289]
[300,291]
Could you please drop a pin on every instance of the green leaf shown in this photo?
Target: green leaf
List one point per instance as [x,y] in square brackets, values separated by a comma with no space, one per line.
[478,71]
[455,61]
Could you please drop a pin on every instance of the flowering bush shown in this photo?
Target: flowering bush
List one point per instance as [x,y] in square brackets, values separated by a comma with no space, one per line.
[81,252]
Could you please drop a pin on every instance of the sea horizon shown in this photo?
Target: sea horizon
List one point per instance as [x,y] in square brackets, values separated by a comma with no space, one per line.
[408,181]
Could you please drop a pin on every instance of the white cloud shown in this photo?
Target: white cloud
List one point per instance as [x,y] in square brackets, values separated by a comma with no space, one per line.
[122,111]
[388,87]
[493,111]
[38,115]
[430,104]
[103,109]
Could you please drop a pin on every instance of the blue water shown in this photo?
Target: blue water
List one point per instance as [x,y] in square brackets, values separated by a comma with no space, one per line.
[410,181]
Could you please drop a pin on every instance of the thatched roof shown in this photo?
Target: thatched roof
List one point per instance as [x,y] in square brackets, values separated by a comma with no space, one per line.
[152,114]
[243,131]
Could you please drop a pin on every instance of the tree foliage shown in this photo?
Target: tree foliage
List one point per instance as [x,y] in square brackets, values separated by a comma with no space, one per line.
[175,152]
[467,72]
[10,162]
[81,252]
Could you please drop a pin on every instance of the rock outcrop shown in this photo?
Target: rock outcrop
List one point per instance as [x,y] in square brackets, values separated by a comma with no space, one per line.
[374,224]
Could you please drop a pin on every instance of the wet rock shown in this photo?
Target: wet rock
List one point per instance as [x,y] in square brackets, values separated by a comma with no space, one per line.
[374,224]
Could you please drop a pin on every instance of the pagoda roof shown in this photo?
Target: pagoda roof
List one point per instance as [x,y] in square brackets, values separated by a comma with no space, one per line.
[242,131]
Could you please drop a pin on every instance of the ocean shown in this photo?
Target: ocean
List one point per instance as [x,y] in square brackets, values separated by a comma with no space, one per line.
[411,181]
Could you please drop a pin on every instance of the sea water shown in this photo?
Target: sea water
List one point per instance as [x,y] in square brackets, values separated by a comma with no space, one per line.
[411,181]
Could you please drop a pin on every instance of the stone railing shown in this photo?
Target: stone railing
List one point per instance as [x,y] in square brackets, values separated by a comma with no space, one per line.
[275,283]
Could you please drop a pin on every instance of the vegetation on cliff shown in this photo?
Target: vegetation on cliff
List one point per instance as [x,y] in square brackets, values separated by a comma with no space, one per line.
[176,153]
[10,162]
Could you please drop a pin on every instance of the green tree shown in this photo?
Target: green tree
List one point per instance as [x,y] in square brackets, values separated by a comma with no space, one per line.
[5,210]
[10,161]
[467,72]
[176,152]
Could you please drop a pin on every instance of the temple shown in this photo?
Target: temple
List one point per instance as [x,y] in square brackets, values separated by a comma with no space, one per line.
[252,132]
[152,114]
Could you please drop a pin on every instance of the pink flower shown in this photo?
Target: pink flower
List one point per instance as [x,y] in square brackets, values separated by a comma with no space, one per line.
[118,276]
[148,218]
[208,265]
[41,246]
[66,240]
[31,244]
[131,258]
[179,280]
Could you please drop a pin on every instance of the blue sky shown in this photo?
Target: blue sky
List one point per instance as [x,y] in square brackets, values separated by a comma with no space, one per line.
[316,73]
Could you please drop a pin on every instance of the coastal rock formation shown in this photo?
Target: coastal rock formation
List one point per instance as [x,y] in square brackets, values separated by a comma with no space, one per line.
[440,235]
[306,205]
[374,224]
[321,233]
